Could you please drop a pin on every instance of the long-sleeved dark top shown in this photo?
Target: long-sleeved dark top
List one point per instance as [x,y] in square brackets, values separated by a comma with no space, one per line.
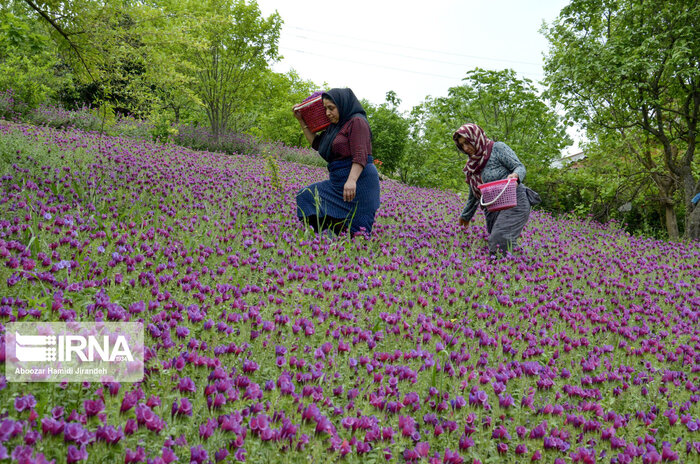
[353,141]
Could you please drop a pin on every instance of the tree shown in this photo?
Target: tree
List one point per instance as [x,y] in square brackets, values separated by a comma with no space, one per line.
[633,66]
[27,58]
[509,109]
[232,46]
[116,52]
[605,187]
[273,119]
[389,132]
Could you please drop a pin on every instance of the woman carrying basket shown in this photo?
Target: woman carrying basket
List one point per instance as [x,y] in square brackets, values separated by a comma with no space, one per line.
[349,199]
[490,161]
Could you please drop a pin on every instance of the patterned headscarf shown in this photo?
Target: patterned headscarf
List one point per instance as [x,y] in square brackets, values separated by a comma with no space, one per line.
[476,162]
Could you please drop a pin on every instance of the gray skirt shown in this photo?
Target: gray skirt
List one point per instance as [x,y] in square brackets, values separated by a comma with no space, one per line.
[505,226]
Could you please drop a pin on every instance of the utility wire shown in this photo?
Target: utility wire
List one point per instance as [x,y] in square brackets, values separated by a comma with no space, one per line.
[336,58]
[305,52]
[375,50]
[325,34]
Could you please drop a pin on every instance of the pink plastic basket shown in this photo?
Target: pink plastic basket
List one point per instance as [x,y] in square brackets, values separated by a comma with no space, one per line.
[313,113]
[499,194]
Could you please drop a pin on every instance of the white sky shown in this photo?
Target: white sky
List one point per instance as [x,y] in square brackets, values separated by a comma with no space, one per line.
[416,48]
[413,48]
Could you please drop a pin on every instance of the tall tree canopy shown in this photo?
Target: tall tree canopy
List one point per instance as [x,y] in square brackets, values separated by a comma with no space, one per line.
[235,46]
[389,131]
[633,66]
[508,108]
[27,57]
[117,52]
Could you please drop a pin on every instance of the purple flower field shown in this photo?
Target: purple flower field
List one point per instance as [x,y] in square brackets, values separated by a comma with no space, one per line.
[266,343]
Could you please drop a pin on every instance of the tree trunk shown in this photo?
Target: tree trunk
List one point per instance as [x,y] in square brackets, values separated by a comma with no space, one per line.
[692,212]
[667,187]
[692,229]
[671,222]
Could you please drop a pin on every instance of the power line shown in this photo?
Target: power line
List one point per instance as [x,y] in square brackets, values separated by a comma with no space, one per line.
[324,34]
[374,50]
[306,52]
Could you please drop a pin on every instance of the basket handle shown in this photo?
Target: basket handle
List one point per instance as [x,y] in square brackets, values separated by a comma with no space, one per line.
[305,104]
[481,200]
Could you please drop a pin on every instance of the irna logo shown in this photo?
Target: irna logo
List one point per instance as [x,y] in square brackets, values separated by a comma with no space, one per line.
[74,351]
[50,348]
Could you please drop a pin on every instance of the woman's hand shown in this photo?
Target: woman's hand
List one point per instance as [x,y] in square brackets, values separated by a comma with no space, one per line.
[349,190]
[297,114]
[513,176]
[304,128]
[463,222]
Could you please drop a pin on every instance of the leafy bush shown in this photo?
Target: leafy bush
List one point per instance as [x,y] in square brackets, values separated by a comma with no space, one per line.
[128,126]
[53,116]
[11,107]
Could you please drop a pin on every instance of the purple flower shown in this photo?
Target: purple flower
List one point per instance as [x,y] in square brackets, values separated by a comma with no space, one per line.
[109,434]
[221,454]
[185,407]
[250,366]
[168,455]
[186,384]
[182,331]
[198,454]
[76,454]
[75,432]
[129,401]
[130,427]
[23,403]
[51,426]
[505,401]
[137,455]
[465,442]
[93,407]
[668,455]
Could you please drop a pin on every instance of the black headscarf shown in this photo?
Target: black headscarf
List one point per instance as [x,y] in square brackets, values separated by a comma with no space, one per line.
[348,107]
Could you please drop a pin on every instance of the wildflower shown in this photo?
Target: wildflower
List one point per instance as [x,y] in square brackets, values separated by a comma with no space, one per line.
[76,454]
[23,403]
[134,456]
[199,455]
[109,434]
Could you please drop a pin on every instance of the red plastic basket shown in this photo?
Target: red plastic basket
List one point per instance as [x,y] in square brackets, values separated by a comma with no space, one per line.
[499,194]
[313,113]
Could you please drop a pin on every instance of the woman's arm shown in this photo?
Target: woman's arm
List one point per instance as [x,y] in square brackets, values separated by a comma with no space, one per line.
[350,189]
[310,136]
[359,139]
[510,160]
[469,209]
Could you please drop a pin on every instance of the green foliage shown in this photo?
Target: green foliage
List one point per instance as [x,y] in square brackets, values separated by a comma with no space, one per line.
[163,129]
[634,65]
[509,109]
[26,60]
[390,130]
[272,104]
[234,46]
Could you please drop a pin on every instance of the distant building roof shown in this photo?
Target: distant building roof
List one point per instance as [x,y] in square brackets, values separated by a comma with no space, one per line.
[568,158]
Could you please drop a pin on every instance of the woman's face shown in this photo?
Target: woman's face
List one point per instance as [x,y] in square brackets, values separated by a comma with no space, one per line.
[331,111]
[467,147]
